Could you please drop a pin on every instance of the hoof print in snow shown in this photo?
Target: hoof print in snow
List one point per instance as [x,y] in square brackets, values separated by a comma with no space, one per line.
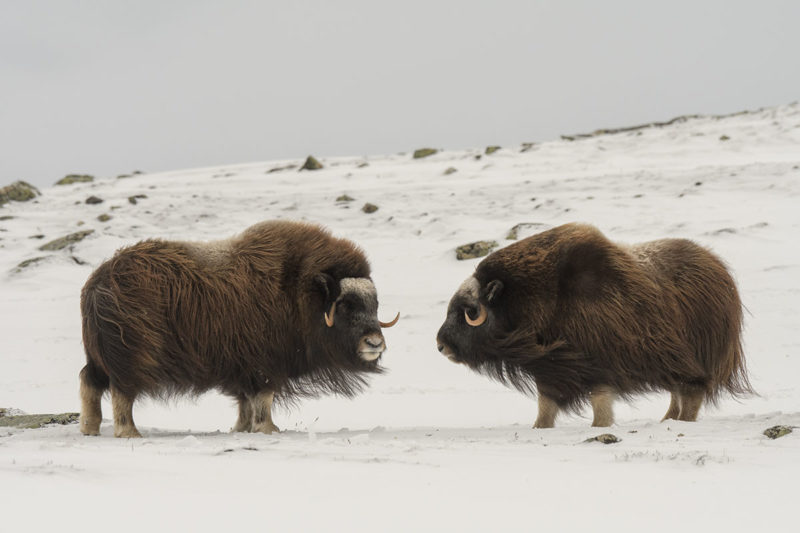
[605,438]
[19,191]
[135,198]
[491,149]
[475,249]
[67,240]
[424,152]
[311,164]
[369,208]
[344,198]
[38,421]
[450,170]
[94,200]
[776,432]
[75,178]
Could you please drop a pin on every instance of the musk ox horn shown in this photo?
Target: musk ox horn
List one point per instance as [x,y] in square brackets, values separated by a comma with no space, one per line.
[390,324]
[329,317]
[478,321]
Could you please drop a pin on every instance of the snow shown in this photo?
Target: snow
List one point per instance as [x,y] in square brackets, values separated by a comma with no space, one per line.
[429,445]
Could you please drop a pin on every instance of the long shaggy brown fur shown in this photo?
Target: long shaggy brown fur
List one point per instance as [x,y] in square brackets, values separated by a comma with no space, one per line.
[241,316]
[569,311]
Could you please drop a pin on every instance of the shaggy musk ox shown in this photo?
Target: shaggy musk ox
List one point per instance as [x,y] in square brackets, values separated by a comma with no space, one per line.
[281,311]
[581,319]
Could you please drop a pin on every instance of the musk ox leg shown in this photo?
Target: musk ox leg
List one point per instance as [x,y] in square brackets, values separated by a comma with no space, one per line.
[123,415]
[94,382]
[91,412]
[674,407]
[548,409]
[691,401]
[262,413]
[245,420]
[603,406]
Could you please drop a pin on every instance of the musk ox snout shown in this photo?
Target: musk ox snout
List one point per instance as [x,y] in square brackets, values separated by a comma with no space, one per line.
[370,347]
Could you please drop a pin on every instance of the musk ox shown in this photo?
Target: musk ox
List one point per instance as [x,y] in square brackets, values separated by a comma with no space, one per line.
[281,311]
[582,320]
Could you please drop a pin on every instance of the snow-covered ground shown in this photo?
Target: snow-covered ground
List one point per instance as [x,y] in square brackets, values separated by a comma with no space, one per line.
[430,445]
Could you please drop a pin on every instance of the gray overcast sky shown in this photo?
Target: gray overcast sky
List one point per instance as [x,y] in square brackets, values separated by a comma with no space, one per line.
[107,87]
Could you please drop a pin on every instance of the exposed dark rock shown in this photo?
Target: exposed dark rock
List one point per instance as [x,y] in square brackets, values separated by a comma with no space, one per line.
[362,165]
[38,421]
[67,240]
[19,191]
[37,236]
[513,233]
[450,170]
[344,198]
[6,217]
[93,200]
[724,138]
[527,146]
[605,438]
[369,208]
[424,152]
[281,169]
[104,217]
[776,432]
[75,178]
[311,164]
[134,199]
[491,149]
[30,262]
[475,249]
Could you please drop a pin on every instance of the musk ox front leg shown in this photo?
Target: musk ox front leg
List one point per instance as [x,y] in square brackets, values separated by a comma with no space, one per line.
[603,406]
[245,420]
[122,406]
[548,410]
[262,413]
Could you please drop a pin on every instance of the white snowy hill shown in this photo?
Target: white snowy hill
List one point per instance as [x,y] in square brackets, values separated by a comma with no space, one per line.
[430,445]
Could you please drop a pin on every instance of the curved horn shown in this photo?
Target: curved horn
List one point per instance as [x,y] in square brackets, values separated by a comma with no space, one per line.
[329,318]
[478,321]
[390,324]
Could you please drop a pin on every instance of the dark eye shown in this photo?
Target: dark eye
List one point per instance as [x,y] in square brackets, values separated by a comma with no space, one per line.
[471,311]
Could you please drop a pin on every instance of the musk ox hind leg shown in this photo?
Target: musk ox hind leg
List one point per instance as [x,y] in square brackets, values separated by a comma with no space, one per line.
[245,420]
[548,410]
[123,415]
[691,401]
[602,398]
[93,384]
[262,413]
[674,410]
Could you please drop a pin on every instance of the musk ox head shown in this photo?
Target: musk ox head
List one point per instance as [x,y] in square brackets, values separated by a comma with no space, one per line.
[474,323]
[349,320]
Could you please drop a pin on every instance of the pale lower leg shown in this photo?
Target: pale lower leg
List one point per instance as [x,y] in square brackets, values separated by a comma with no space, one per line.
[674,409]
[548,409]
[262,413]
[91,412]
[603,406]
[123,415]
[691,401]
[245,420]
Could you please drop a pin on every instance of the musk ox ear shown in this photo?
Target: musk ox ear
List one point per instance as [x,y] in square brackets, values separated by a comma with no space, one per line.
[493,290]
[584,269]
[328,287]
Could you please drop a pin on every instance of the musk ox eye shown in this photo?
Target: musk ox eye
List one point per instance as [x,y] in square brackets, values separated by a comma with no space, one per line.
[479,315]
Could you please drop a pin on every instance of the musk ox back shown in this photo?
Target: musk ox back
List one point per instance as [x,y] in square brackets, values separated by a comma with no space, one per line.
[281,311]
[581,320]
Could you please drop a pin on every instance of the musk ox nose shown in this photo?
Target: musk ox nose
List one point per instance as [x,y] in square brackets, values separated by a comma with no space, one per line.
[371,347]
[440,347]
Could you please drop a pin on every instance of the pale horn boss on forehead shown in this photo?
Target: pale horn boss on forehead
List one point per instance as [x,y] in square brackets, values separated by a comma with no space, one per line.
[282,311]
[581,320]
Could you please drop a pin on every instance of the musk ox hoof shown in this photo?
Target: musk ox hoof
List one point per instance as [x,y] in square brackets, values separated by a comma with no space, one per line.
[267,428]
[90,432]
[127,433]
